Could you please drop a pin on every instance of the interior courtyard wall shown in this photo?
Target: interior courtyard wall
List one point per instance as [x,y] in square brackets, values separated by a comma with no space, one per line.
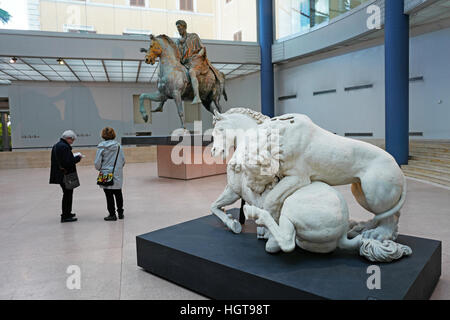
[362,111]
[41,111]
[4,89]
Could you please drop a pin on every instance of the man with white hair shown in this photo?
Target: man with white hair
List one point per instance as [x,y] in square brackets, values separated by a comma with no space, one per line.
[63,162]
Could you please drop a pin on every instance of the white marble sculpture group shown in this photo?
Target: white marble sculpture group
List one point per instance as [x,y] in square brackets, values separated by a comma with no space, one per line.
[284,167]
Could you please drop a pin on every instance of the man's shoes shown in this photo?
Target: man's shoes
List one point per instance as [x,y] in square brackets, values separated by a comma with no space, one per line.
[111,217]
[120,214]
[68,219]
[72,215]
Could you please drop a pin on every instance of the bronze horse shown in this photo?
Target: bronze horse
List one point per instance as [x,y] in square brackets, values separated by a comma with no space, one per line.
[174,81]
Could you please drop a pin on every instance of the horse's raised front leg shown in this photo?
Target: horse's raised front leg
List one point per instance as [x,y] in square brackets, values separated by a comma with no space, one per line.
[154,96]
[160,107]
[227,197]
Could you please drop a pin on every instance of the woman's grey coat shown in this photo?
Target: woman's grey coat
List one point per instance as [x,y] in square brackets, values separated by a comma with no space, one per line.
[104,161]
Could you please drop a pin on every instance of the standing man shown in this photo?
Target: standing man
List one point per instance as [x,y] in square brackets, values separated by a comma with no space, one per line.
[64,162]
[192,51]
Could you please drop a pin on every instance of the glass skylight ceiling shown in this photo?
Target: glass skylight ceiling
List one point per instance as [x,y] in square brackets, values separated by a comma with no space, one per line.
[86,70]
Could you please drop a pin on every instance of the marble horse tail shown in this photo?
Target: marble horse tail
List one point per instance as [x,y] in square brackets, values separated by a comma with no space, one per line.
[396,208]
[375,250]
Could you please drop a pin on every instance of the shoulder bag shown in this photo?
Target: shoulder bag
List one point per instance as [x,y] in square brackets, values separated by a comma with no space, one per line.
[70,180]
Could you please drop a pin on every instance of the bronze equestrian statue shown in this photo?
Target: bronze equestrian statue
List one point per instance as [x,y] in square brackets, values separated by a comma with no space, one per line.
[185,73]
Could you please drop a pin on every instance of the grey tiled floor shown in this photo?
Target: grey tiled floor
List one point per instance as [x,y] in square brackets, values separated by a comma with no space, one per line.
[36,249]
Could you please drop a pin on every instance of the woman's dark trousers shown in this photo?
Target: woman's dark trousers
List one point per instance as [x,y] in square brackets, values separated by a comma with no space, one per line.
[110,195]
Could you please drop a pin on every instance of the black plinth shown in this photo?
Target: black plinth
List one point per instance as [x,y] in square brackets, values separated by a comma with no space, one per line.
[191,140]
[204,257]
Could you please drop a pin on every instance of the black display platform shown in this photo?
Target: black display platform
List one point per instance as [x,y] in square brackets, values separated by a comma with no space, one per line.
[202,256]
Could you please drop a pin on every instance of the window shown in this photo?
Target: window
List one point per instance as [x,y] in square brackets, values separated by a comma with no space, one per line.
[237,36]
[128,31]
[295,16]
[186,5]
[80,31]
[74,28]
[137,3]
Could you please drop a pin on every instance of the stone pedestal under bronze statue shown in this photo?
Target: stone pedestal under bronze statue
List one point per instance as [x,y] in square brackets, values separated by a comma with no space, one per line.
[185,162]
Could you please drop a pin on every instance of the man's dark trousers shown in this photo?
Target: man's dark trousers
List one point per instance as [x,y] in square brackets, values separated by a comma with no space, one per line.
[66,201]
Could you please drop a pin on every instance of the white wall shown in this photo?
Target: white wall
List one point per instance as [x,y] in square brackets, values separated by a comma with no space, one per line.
[244,92]
[363,110]
[430,58]
[45,110]
[41,111]
[4,89]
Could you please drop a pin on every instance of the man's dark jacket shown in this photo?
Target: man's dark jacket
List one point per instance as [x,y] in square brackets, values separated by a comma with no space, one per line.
[62,156]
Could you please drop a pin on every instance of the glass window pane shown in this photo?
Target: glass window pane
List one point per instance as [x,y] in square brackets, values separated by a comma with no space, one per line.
[96,69]
[42,67]
[297,16]
[113,69]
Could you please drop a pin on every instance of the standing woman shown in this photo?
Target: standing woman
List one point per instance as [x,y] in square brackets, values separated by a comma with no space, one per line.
[109,152]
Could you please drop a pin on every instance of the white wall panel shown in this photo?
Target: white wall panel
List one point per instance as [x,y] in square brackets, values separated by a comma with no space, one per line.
[363,110]
[45,110]
[4,89]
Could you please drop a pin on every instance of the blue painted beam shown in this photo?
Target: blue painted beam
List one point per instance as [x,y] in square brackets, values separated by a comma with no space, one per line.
[265,16]
[397,81]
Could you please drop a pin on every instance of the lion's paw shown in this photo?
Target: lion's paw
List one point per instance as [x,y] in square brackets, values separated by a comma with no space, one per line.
[380,233]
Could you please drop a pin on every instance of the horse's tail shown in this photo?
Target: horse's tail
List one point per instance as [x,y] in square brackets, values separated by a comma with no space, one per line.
[214,70]
[220,78]
[222,87]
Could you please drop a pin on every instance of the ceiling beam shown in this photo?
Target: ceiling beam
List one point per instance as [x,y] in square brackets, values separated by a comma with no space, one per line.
[9,74]
[139,71]
[104,68]
[71,70]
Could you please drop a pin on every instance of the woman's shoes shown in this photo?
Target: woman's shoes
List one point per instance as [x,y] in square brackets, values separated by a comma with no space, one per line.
[68,219]
[111,217]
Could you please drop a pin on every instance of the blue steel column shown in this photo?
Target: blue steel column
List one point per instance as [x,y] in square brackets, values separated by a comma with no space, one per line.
[265,16]
[397,80]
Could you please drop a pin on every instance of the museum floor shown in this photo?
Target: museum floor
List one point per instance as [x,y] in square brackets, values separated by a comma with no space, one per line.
[36,249]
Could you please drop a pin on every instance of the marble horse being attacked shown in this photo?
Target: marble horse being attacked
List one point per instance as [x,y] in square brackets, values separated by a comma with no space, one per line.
[185,73]
[284,169]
